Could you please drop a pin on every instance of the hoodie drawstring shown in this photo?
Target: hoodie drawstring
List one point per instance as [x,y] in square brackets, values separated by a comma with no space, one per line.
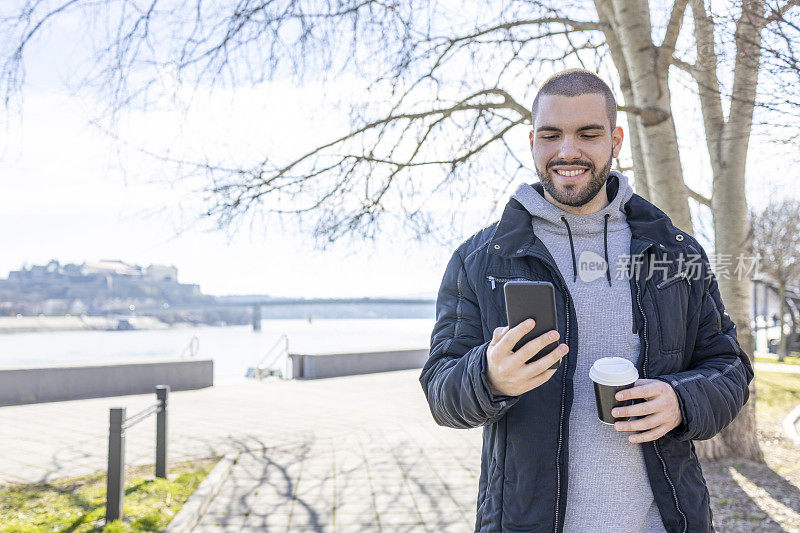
[605,248]
[571,247]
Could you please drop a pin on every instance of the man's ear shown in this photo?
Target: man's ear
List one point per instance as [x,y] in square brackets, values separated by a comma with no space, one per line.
[530,136]
[616,141]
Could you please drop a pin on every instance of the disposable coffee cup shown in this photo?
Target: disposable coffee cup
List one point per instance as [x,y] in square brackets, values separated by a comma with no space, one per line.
[611,375]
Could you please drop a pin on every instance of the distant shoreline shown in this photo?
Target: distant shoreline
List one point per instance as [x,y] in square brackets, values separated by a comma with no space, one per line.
[45,324]
[37,324]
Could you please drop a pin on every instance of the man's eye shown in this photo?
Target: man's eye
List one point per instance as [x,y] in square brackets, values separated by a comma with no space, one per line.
[591,136]
[548,137]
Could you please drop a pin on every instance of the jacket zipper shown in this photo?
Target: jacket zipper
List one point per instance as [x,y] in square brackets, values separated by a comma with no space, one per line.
[644,371]
[565,361]
[673,279]
[561,420]
[493,279]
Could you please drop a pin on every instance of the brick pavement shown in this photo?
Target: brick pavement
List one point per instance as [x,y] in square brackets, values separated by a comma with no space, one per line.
[362,481]
[357,453]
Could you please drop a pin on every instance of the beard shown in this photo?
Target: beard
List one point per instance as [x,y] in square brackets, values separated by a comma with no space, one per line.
[575,196]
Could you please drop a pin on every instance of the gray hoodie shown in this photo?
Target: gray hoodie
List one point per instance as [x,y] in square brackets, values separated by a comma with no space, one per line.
[608,488]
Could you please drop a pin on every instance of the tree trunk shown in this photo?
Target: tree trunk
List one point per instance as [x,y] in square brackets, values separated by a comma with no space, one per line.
[639,169]
[733,236]
[646,68]
[739,440]
[605,15]
[651,96]
[727,144]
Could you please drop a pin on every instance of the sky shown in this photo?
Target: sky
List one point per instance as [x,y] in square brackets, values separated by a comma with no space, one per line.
[70,193]
[65,197]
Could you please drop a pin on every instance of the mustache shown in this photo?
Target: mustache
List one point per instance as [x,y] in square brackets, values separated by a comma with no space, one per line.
[564,162]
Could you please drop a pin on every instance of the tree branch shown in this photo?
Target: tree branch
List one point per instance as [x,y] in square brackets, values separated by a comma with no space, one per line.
[699,198]
[13,69]
[650,115]
[705,74]
[689,68]
[778,14]
[463,105]
[673,27]
[748,39]
[579,25]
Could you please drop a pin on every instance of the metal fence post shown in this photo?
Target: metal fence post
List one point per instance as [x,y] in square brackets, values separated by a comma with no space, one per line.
[162,391]
[115,480]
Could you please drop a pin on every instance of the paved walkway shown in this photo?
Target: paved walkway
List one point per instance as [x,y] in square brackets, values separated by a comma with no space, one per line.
[364,481]
[358,453]
[345,454]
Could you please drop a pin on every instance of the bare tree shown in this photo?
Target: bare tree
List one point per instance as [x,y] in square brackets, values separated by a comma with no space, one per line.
[448,87]
[777,241]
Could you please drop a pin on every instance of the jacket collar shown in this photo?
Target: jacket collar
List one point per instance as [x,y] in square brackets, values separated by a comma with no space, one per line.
[513,235]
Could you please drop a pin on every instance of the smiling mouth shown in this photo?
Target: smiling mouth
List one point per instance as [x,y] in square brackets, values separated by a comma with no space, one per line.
[571,173]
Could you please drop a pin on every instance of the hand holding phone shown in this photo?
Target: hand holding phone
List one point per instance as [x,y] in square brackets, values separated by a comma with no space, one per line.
[525,354]
[508,372]
[536,300]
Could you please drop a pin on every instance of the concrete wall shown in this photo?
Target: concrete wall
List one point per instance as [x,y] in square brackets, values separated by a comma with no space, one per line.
[20,385]
[346,364]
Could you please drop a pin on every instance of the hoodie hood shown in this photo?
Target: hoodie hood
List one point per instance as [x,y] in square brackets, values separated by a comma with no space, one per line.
[557,221]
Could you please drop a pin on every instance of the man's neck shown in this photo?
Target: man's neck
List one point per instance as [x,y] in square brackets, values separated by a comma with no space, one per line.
[593,206]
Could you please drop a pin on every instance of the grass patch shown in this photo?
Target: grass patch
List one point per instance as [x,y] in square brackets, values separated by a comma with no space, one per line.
[78,504]
[792,359]
[776,394]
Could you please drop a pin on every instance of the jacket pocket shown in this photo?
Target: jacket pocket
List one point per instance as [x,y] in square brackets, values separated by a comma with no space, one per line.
[672,301]
[672,279]
[494,283]
[497,282]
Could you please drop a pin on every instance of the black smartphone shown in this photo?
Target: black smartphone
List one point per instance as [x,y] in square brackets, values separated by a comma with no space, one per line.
[536,300]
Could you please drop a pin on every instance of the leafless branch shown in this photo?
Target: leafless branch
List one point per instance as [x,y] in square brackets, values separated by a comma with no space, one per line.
[689,68]
[699,198]
[705,73]
[667,46]
[780,12]
[445,97]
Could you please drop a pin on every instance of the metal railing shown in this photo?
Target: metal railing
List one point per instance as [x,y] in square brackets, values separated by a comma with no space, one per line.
[192,348]
[118,423]
[276,366]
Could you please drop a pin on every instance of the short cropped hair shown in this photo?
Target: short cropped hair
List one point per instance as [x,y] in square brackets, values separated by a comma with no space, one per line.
[575,82]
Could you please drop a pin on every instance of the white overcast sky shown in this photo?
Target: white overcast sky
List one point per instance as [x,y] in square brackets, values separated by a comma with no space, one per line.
[64,195]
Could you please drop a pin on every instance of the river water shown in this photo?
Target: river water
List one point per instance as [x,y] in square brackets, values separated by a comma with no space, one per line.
[233,348]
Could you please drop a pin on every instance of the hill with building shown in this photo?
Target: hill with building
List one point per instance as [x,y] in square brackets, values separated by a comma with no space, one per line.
[94,287]
[59,296]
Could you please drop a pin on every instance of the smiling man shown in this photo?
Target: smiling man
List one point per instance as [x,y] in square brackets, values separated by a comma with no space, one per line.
[548,462]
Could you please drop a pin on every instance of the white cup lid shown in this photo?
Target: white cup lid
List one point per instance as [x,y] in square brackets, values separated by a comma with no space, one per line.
[613,371]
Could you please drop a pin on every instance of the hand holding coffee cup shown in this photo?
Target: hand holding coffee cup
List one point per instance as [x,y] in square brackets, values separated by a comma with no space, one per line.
[616,386]
[507,372]
[611,375]
[659,414]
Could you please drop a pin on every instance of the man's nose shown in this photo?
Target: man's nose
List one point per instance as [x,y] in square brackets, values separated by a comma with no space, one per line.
[568,149]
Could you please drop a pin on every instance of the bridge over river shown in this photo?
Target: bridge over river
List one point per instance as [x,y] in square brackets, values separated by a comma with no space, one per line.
[256,304]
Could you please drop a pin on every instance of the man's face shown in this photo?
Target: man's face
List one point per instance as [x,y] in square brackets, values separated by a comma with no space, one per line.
[573,145]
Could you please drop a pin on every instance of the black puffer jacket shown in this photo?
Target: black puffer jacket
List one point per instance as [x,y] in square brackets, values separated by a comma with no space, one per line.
[687,340]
